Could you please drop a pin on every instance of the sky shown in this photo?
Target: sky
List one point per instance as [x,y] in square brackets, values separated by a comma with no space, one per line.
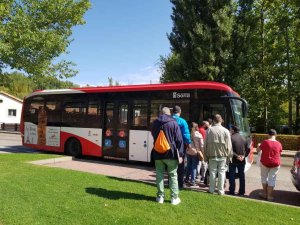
[122,39]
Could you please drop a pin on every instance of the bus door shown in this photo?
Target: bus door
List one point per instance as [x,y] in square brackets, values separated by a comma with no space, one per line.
[115,130]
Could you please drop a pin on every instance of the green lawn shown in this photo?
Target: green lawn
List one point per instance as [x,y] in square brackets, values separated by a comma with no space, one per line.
[31,194]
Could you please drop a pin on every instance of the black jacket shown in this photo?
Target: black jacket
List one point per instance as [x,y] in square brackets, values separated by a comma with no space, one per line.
[239,147]
[173,135]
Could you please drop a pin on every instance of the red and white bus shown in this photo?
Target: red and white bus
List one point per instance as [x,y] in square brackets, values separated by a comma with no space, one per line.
[114,122]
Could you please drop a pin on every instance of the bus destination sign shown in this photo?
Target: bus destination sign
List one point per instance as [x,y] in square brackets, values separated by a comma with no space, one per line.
[181,95]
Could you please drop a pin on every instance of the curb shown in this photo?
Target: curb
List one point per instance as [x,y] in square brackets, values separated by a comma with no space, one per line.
[10,132]
[52,161]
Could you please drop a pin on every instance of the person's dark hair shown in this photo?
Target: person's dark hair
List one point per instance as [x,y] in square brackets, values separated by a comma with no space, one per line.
[204,124]
[272,132]
[176,109]
[218,118]
[235,129]
[210,121]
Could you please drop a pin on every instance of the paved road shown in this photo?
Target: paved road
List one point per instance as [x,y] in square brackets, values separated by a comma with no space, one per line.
[12,142]
[285,192]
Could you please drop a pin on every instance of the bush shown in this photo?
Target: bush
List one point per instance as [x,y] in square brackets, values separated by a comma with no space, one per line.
[289,142]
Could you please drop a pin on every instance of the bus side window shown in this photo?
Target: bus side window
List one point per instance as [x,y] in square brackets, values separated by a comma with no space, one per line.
[53,113]
[93,114]
[74,114]
[140,108]
[32,111]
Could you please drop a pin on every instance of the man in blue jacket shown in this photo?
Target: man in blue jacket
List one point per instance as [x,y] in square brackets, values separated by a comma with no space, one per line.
[170,158]
[184,128]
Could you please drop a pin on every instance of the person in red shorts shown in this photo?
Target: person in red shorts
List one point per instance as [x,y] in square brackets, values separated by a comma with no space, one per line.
[270,164]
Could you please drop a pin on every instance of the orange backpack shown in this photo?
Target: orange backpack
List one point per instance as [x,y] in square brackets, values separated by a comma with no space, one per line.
[161,144]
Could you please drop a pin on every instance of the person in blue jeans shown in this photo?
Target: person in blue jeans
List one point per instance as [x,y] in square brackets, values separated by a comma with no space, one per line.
[184,128]
[240,152]
[168,160]
[192,154]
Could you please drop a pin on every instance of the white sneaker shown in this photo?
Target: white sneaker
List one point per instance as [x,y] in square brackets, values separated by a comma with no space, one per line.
[175,201]
[160,200]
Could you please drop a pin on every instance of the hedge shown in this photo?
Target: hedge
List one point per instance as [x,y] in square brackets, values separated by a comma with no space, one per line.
[289,142]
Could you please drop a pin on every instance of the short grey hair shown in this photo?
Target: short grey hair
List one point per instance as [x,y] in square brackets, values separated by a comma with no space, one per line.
[166,110]
[218,118]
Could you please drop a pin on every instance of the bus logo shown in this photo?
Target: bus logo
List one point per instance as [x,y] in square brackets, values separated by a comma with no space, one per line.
[181,95]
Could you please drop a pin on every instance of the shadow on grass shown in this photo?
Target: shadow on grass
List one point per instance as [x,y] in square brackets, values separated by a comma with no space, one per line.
[142,181]
[116,195]
[17,149]
[283,197]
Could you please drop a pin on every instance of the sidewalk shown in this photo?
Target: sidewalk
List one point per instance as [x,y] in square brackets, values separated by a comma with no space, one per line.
[285,192]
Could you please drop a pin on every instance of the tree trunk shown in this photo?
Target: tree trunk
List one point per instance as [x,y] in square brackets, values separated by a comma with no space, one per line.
[262,63]
[289,79]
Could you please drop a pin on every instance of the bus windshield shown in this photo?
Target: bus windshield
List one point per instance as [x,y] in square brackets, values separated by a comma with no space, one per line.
[237,114]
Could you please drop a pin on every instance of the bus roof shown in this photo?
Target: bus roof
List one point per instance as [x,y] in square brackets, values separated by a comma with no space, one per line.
[141,87]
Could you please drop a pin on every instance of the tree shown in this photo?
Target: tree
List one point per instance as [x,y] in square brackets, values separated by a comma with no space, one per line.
[251,45]
[34,32]
[19,85]
[111,82]
[199,41]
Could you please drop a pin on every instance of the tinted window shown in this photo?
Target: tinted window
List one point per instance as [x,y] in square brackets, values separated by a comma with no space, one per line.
[74,114]
[53,113]
[156,106]
[140,108]
[32,108]
[93,117]
[123,113]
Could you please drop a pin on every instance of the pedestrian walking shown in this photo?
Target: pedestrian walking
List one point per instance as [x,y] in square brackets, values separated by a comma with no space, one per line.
[169,159]
[218,151]
[270,164]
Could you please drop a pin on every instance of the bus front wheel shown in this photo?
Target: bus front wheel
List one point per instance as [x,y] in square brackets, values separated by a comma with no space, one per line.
[73,147]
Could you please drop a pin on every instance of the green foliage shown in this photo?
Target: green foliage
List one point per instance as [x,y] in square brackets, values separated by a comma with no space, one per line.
[199,41]
[20,85]
[111,82]
[34,32]
[251,45]
[288,142]
[33,194]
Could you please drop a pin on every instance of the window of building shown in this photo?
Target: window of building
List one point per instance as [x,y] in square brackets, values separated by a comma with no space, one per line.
[12,112]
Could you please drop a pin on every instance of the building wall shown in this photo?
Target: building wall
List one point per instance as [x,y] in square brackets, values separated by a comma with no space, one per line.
[7,103]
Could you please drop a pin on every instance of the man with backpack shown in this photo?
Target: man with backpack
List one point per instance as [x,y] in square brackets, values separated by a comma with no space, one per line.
[168,146]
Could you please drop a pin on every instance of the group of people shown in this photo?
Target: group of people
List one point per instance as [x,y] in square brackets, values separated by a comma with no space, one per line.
[208,146]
